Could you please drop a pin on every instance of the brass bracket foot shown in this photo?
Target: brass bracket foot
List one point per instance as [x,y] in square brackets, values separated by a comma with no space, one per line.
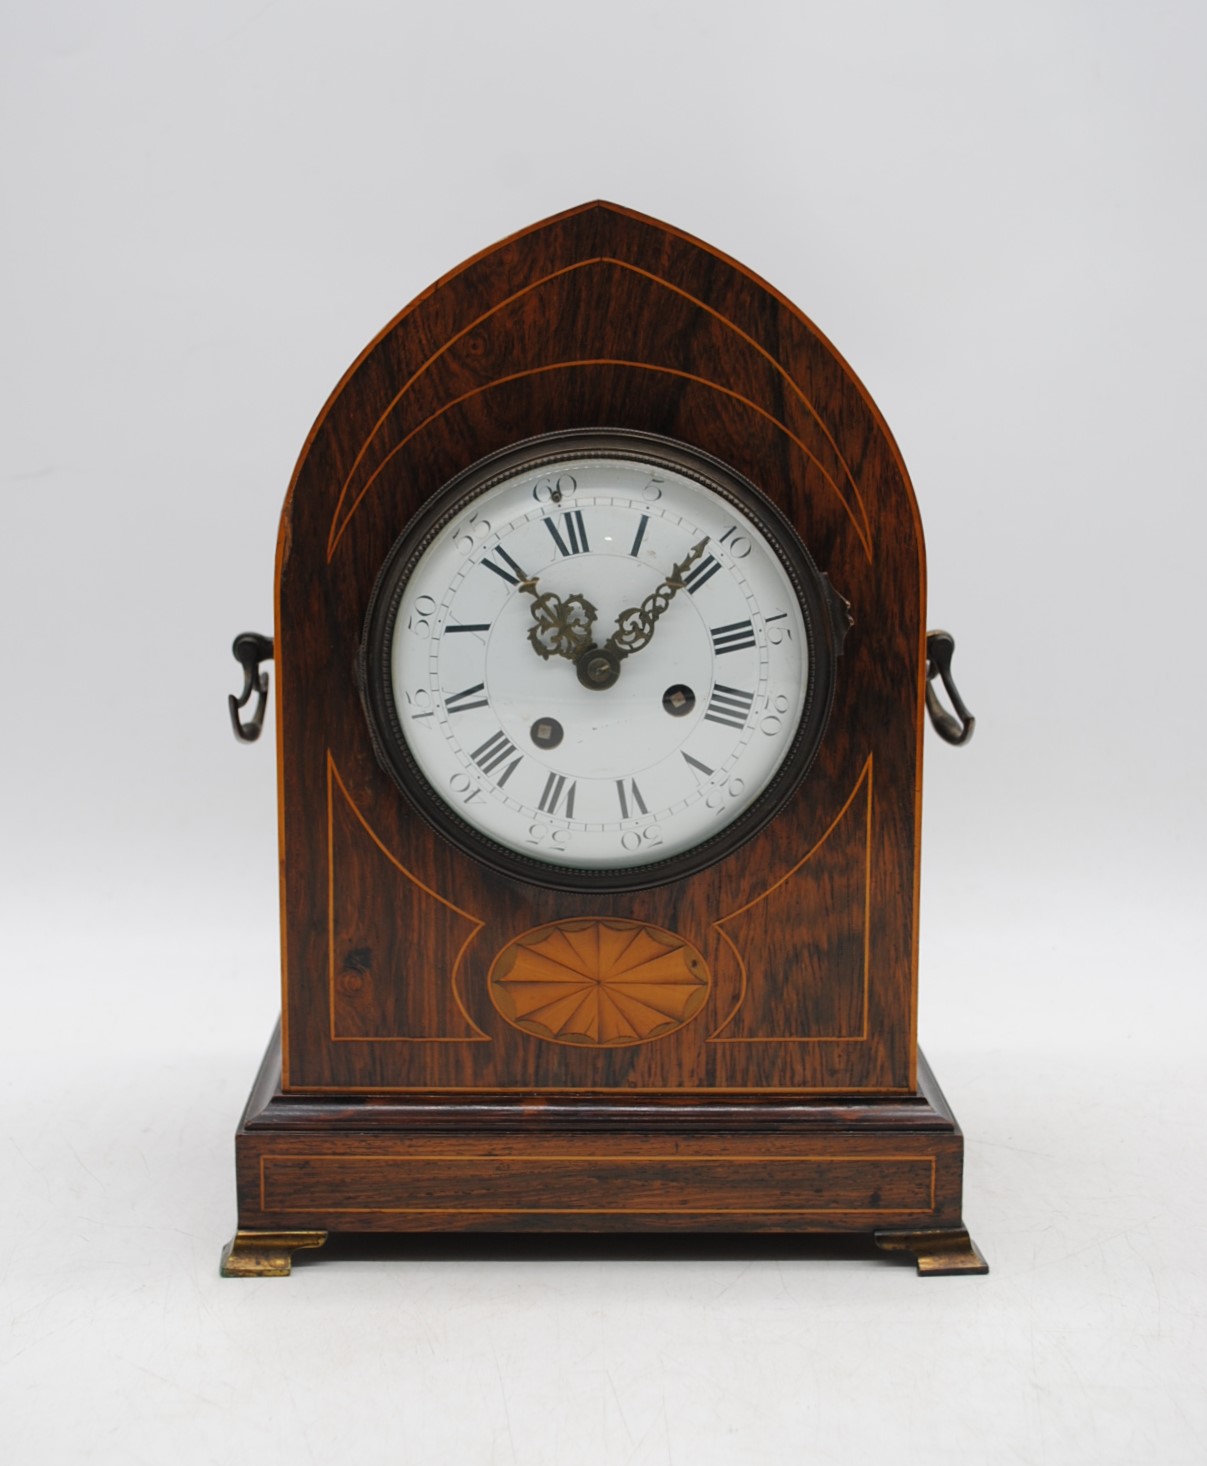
[936,1250]
[265,1254]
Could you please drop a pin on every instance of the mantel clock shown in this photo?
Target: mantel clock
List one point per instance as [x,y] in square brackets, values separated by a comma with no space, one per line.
[601,676]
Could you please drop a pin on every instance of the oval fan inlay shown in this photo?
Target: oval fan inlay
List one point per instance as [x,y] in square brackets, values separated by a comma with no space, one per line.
[600,983]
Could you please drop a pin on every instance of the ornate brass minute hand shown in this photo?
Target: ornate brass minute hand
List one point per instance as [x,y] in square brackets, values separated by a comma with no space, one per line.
[635,627]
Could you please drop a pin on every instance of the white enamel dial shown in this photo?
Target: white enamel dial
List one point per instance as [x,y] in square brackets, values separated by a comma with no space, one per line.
[703,708]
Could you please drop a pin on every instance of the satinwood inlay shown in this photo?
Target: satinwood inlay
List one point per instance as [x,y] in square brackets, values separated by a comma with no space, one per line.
[599,983]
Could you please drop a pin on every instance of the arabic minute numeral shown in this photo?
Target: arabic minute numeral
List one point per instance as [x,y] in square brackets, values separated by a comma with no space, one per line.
[634,840]
[548,490]
[545,837]
[773,721]
[737,544]
[471,533]
[419,622]
[777,635]
[464,788]
[731,789]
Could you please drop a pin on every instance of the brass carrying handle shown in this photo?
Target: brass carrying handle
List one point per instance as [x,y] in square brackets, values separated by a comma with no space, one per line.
[957,729]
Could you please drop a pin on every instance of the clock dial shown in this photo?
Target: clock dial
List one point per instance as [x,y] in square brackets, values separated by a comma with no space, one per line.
[596,657]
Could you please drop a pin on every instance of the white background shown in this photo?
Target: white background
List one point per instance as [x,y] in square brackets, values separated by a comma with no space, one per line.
[996,211]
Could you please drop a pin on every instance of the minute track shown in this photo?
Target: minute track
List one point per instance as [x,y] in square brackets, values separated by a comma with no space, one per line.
[619,533]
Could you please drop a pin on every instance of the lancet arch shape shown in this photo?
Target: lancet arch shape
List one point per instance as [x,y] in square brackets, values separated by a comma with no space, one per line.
[601,317]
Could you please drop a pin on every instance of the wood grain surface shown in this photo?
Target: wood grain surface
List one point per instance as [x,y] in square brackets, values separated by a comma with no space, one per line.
[600,318]
[422,1164]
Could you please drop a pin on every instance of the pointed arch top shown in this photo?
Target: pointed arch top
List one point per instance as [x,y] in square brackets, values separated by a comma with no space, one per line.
[599,288]
[601,318]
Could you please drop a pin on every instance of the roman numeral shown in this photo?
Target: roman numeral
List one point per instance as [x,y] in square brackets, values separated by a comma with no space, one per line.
[730,706]
[640,535]
[696,764]
[504,574]
[558,792]
[576,533]
[461,702]
[700,573]
[497,749]
[631,801]
[448,630]
[733,638]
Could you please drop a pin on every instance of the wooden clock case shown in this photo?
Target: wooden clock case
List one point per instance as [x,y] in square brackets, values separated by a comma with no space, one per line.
[398,1095]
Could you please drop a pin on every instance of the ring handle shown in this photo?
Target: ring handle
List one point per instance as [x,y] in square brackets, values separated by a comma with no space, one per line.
[249,650]
[957,729]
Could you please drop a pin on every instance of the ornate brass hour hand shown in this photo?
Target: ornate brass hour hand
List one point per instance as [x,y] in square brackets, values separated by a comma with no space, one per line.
[635,627]
[563,627]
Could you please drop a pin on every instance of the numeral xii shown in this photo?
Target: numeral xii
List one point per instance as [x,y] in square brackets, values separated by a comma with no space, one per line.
[575,541]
